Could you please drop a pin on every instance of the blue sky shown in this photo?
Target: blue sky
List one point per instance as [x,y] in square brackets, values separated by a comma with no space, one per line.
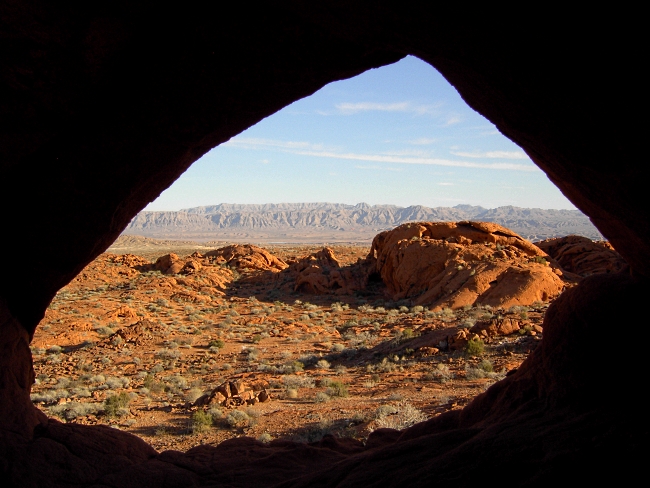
[399,135]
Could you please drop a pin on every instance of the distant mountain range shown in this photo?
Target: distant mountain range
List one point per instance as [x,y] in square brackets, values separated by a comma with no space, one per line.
[335,222]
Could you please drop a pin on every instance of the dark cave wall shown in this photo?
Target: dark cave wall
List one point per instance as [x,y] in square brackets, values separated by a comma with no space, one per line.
[104,106]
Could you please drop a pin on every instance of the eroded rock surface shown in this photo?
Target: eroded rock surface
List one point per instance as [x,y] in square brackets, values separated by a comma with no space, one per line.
[456,264]
[246,257]
[583,256]
[322,273]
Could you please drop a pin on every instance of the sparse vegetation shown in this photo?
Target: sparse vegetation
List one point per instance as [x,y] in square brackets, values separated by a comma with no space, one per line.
[146,351]
[475,347]
[117,405]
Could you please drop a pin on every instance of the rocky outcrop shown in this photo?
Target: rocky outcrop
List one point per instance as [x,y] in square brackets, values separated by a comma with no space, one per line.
[456,264]
[583,256]
[321,273]
[236,392]
[246,257]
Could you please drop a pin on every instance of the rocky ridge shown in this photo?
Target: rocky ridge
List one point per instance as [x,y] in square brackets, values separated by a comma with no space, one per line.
[340,222]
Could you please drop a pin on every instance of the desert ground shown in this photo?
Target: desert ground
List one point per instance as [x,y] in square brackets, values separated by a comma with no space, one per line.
[144,352]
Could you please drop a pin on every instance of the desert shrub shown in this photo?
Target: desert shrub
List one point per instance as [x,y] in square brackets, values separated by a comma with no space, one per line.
[193,394]
[98,378]
[292,381]
[337,389]
[316,433]
[218,343]
[486,366]
[72,410]
[385,366]
[336,348]
[340,369]
[474,373]
[167,354]
[405,416]
[483,370]
[117,405]
[384,410]
[440,373]
[105,331]
[474,347]
[323,364]
[115,382]
[200,421]
[238,418]
[265,438]
[321,397]
[81,392]
[291,393]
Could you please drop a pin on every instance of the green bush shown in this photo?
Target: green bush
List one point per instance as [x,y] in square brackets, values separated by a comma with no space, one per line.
[117,405]
[475,347]
[486,366]
[337,389]
[201,421]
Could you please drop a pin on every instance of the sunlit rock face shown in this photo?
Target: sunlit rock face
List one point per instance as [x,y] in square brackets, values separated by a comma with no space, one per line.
[105,105]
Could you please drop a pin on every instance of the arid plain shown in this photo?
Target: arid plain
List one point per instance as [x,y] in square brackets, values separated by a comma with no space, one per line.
[185,344]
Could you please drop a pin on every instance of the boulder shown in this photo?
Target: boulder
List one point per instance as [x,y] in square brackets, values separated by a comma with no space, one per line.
[246,257]
[456,264]
[236,392]
[583,256]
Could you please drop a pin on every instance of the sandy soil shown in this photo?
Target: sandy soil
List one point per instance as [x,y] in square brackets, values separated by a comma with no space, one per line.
[134,350]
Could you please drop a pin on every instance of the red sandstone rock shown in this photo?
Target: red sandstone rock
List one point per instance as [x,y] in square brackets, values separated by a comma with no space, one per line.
[130,260]
[449,264]
[246,258]
[493,327]
[321,273]
[583,256]
[236,392]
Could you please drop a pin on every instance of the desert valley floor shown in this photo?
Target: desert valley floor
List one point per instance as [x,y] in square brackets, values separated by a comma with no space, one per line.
[188,357]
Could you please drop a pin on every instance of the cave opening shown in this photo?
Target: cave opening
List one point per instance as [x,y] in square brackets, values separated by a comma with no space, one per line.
[106,106]
[146,334]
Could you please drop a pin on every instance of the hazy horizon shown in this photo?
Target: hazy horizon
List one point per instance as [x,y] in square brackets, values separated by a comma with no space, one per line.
[347,204]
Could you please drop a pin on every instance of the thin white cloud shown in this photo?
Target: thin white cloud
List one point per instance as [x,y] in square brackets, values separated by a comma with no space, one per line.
[445,184]
[423,141]
[264,161]
[349,108]
[318,150]
[453,119]
[378,168]
[258,143]
[353,108]
[415,160]
[492,154]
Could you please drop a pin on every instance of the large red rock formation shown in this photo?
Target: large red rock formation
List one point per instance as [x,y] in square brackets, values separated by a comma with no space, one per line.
[454,264]
[103,105]
[583,256]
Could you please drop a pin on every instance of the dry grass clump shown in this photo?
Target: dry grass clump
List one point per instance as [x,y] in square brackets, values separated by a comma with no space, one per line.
[398,417]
